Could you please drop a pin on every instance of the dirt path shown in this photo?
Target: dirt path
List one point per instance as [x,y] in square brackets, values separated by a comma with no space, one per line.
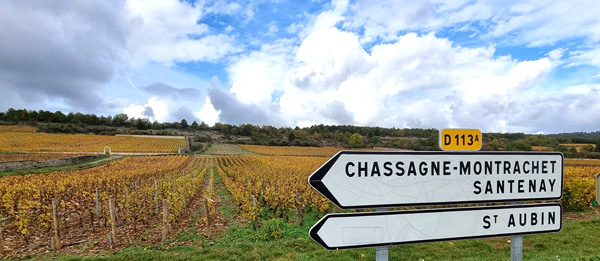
[226,210]
[100,162]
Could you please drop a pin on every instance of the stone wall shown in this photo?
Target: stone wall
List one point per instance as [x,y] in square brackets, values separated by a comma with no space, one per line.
[30,164]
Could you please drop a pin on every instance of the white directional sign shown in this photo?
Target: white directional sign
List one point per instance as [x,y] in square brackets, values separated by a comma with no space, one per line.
[370,179]
[354,230]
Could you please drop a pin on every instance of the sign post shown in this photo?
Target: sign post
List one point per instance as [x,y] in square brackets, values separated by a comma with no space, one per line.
[384,179]
[382,253]
[375,229]
[516,243]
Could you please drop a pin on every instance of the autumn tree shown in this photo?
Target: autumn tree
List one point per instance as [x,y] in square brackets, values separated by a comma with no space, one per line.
[356,140]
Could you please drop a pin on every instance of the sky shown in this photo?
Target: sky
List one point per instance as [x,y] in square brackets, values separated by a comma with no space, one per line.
[498,66]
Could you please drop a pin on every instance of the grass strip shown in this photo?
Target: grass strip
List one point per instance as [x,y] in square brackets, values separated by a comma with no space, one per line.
[577,241]
[76,166]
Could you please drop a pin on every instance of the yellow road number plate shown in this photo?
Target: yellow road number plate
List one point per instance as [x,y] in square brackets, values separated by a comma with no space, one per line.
[460,139]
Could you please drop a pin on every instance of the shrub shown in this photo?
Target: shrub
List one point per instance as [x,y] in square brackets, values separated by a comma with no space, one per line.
[269,229]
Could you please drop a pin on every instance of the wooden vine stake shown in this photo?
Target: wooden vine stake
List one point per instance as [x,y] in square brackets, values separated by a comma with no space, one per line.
[183,196]
[1,238]
[256,221]
[127,200]
[155,197]
[299,210]
[113,221]
[57,242]
[165,231]
[207,211]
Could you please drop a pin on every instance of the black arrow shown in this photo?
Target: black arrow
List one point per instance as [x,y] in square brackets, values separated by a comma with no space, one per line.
[314,231]
[315,180]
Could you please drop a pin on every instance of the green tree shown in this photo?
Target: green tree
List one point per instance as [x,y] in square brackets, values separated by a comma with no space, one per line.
[374,140]
[518,145]
[292,136]
[204,126]
[184,124]
[142,124]
[356,140]
[194,125]
[12,115]
[119,119]
[58,117]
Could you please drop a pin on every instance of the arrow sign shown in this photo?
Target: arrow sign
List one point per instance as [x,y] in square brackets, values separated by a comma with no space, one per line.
[355,230]
[372,179]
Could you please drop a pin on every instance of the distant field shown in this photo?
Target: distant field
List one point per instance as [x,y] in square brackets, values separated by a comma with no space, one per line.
[577,146]
[36,156]
[17,128]
[226,149]
[540,148]
[294,151]
[22,139]
[587,162]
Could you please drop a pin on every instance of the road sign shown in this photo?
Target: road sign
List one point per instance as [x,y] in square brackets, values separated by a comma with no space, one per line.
[356,230]
[372,179]
[460,139]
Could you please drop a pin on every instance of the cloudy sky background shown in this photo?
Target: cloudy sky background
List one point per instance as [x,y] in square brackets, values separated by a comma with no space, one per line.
[500,66]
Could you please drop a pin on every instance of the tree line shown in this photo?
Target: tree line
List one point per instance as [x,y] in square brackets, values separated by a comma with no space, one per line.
[317,135]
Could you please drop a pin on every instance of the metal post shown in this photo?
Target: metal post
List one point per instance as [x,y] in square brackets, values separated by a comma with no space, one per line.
[597,189]
[381,252]
[97,203]
[516,243]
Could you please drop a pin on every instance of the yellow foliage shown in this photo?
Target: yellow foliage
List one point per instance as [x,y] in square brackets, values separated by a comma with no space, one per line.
[129,181]
[36,156]
[46,142]
[274,181]
[293,150]
[579,191]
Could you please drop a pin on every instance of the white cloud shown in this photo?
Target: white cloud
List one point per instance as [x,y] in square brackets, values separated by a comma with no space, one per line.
[384,63]
[306,123]
[294,28]
[256,76]
[208,114]
[540,23]
[326,19]
[411,80]
[414,81]
[533,23]
[585,57]
[383,19]
[159,107]
[168,31]
[387,87]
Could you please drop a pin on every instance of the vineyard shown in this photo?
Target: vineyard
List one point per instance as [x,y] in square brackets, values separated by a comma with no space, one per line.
[139,188]
[226,149]
[21,139]
[293,150]
[579,188]
[277,183]
[36,156]
[138,196]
